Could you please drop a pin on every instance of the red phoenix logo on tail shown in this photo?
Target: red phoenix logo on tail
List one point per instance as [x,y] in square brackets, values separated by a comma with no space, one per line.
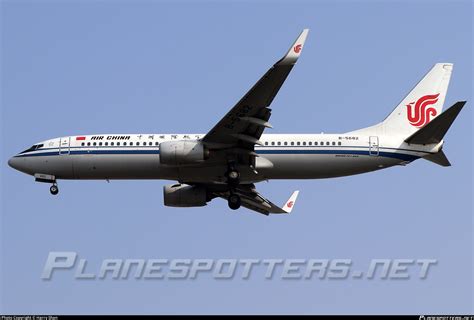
[297,48]
[420,114]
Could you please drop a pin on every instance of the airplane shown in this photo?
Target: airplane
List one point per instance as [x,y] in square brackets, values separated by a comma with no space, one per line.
[234,155]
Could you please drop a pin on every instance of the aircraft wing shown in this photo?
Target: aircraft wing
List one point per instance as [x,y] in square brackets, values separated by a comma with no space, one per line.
[243,125]
[252,200]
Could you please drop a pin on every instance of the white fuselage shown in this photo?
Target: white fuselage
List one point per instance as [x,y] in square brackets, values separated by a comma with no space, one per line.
[282,156]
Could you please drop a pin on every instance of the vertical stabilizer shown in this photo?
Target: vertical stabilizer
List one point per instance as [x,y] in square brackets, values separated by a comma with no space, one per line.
[423,103]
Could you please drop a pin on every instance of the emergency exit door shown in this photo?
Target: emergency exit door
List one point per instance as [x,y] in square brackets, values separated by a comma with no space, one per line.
[373,145]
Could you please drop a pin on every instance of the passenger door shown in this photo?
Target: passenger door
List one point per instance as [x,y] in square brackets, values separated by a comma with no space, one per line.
[64,145]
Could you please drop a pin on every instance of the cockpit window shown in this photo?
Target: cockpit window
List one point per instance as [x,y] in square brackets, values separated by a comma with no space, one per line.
[33,148]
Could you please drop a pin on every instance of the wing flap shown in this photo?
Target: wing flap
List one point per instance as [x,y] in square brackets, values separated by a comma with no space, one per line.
[253,200]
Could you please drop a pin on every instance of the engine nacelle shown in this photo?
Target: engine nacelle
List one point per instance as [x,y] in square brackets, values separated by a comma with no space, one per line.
[183,195]
[182,152]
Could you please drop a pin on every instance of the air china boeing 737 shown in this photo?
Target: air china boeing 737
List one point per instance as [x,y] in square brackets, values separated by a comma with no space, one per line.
[235,154]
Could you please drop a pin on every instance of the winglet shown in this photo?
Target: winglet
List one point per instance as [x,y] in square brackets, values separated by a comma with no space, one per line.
[294,52]
[291,202]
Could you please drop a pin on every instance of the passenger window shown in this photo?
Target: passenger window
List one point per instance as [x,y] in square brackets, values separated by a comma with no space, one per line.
[156,143]
[333,143]
[95,143]
[118,143]
[106,143]
[279,143]
[292,143]
[82,144]
[150,143]
[310,143]
[285,143]
[327,143]
[273,143]
[304,143]
[266,143]
[298,143]
[339,143]
[88,143]
[100,143]
[315,143]
[124,143]
[144,143]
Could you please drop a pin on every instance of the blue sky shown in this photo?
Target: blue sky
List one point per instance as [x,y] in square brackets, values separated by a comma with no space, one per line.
[81,67]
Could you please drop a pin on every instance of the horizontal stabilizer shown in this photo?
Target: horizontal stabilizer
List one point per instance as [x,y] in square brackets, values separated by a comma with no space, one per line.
[438,158]
[435,130]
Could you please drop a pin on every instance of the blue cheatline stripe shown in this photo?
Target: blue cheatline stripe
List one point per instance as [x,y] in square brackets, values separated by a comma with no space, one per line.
[257,147]
[401,156]
[76,152]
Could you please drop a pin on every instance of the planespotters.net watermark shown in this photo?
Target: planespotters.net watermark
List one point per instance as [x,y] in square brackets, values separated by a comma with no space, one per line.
[291,269]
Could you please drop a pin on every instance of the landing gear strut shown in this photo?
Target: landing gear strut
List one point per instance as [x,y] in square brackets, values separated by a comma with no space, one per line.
[232,175]
[233,180]
[234,201]
[54,189]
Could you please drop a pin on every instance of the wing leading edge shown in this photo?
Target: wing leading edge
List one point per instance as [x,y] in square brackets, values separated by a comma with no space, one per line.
[244,123]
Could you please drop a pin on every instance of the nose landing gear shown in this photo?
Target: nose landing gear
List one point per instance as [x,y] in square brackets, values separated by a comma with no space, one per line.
[54,189]
[48,178]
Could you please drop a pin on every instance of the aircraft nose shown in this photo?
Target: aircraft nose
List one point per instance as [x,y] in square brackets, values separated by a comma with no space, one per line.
[13,162]
[18,163]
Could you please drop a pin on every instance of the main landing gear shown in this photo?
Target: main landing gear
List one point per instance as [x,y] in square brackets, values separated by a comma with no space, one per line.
[54,189]
[233,176]
[234,201]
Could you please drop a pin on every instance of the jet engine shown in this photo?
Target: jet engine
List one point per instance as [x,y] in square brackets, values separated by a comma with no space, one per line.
[183,195]
[182,152]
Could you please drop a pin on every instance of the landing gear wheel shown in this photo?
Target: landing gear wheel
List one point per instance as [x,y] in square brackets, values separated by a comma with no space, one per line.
[234,202]
[54,189]
[232,176]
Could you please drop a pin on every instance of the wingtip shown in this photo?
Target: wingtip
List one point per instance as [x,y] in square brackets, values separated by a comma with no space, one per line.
[295,50]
